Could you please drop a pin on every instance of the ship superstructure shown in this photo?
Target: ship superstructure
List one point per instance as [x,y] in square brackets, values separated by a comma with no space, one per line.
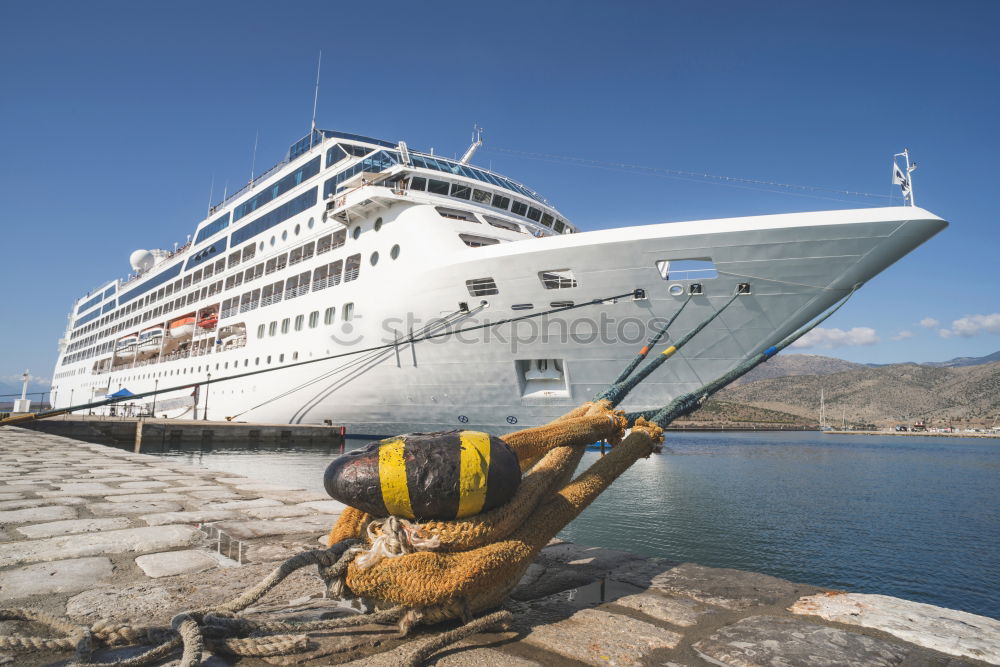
[351,242]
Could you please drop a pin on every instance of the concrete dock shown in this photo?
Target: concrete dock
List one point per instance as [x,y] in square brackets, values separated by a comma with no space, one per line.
[94,532]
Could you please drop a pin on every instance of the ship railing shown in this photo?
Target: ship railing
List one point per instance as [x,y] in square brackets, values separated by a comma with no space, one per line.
[249,305]
[296,291]
[320,283]
[227,312]
[350,274]
[268,300]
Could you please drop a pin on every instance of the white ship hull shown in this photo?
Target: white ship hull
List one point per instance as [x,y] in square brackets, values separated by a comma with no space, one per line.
[797,265]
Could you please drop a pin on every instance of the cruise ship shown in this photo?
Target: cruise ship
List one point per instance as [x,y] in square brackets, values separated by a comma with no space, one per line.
[353,283]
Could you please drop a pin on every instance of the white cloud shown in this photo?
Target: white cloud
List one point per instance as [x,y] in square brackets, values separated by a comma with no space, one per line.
[902,335]
[830,338]
[929,323]
[972,325]
[18,379]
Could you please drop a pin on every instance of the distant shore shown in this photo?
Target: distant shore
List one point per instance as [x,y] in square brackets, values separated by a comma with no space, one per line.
[931,434]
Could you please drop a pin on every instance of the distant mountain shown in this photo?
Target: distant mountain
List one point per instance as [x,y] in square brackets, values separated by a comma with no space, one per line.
[958,362]
[798,364]
[899,393]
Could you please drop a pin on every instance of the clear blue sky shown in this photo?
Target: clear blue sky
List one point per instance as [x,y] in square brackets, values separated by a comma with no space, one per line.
[117,115]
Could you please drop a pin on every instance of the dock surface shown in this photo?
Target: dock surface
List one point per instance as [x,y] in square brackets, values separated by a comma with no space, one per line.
[92,532]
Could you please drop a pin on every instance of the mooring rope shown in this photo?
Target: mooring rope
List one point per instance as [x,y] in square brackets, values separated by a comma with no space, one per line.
[691,401]
[616,393]
[650,344]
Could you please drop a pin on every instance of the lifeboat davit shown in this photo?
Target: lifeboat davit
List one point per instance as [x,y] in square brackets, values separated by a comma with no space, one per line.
[182,327]
[208,320]
[125,347]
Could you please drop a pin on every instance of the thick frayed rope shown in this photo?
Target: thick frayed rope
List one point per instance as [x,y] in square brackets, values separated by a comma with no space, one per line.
[398,537]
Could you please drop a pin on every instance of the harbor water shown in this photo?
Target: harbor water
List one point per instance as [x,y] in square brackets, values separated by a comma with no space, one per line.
[917,518]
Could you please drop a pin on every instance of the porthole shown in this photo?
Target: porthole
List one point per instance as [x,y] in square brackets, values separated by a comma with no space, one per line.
[394,253]
[676,290]
[378,224]
[298,228]
[272,241]
[284,235]
[311,223]
[374,258]
[356,233]
[323,217]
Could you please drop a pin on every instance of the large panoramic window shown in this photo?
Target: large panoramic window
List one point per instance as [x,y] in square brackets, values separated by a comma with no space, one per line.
[274,217]
[300,175]
[219,223]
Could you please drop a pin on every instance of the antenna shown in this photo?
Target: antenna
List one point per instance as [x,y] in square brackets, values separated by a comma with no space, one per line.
[905,181]
[253,160]
[211,192]
[312,129]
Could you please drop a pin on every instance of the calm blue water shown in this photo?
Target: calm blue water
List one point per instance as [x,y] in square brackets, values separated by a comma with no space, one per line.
[914,517]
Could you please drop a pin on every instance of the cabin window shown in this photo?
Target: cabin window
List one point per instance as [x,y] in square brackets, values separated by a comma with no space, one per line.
[477,241]
[356,233]
[234,259]
[329,314]
[313,319]
[557,279]
[502,224]
[352,268]
[547,219]
[394,253]
[560,226]
[418,183]
[499,201]
[520,208]
[260,330]
[249,252]
[347,312]
[335,269]
[298,322]
[323,244]
[437,187]
[272,328]
[308,250]
[460,191]
[339,238]
[455,214]
[378,224]
[482,196]
[482,287]
[534,214]
[374,258]
[282,262]
[284,325]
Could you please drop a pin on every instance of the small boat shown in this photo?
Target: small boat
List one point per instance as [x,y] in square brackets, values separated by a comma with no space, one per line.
[149,342]
[182,327]
[208,320]
[125,347]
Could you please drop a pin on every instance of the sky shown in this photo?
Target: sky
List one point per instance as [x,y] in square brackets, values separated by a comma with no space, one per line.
[120,120]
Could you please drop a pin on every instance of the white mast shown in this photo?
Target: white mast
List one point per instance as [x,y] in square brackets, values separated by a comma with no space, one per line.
[477,141]
[312,129]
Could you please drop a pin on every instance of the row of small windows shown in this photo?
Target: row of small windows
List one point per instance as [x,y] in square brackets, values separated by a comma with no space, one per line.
[274,217]
[286,325]
[319,278]
[322,245]
[551,279]
[340,152]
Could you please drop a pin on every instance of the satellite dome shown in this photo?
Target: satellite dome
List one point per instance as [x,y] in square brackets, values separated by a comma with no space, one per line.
[141,260]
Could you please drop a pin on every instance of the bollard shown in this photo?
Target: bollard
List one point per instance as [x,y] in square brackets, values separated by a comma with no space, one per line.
[138,435]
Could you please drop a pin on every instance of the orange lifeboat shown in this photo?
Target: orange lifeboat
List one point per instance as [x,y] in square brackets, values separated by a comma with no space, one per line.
[182,327]
[208,320]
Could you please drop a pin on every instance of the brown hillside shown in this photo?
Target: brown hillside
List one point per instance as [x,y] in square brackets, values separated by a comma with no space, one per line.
[900,393]
[799,364]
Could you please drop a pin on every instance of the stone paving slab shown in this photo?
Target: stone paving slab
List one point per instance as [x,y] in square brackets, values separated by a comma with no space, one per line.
[172,563]
[731,589]
[279,512]
[676,611]
[762,641]
[946,630]
[117,509]
[54,528]
[598,637]
[147,497]
[199,516]
[158,538]
[61,576]
[44,513]
[245,530]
